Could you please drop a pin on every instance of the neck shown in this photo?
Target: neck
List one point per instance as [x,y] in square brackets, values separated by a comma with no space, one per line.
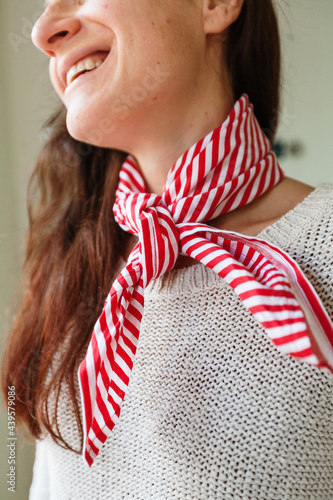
[155,153]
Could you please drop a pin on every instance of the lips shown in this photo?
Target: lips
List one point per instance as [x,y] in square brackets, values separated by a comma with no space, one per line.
[82,63]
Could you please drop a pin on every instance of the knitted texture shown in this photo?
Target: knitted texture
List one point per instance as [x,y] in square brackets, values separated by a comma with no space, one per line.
[213,410]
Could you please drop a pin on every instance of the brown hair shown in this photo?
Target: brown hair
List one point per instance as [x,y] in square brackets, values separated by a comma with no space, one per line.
[74,246]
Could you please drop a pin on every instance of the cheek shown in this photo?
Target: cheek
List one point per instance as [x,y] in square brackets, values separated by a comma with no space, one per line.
[57,85]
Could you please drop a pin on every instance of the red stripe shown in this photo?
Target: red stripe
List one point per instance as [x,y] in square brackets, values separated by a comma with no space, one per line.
[290,338]
[273,308]
[84,382]
[249,189]
[146,237]
[279,323]
[267,293]
[302,354]
[125,357]
[134,312]
[248,257]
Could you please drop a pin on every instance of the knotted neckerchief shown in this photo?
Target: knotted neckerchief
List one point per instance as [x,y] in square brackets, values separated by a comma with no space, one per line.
[228,168]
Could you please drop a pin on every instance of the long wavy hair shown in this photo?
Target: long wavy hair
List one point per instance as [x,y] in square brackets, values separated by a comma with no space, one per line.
[74,247]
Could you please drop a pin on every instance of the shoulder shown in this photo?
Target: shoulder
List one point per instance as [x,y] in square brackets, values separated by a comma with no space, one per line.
[282,198]
[253,218]
[308,224]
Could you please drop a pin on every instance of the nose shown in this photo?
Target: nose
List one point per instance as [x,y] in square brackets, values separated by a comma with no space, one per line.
[53,29]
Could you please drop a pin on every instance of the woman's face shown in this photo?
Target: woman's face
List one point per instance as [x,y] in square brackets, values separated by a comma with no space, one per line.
[118,65]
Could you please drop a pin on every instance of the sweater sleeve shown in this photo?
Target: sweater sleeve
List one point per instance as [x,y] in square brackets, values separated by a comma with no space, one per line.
[39,489]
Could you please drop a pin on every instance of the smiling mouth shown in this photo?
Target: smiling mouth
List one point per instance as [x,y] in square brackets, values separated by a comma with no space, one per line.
[84,66]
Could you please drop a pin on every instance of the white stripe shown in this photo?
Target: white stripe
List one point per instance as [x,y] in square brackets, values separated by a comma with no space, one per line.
[117,380]
[222,148]
[223,201]
[125,347]
[234,274]
[263,316]
[208,162]
[296,346]
[313,360]
[268,301]
[135,303]
[251,285]
[136,323]
[240,156]
[178,209]
[192,208]
[89,359]
[130,337]
[101,386]
[184,174]
[100,340]
[250,156]
[270,173]
[240,194]
[277,279]
[255,188]
[92,437]
[122,364]
[99,417]
[186,246]
[208,258]
[206,140]
[288,329]
[117,399]
[264,266]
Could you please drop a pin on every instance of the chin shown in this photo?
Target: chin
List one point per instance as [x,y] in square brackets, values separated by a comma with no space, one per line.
[80,130]
[96,131]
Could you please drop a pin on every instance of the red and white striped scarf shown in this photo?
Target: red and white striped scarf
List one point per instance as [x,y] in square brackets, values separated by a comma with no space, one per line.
[228,168]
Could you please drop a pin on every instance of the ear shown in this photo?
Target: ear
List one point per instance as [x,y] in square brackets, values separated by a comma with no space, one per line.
[218,15]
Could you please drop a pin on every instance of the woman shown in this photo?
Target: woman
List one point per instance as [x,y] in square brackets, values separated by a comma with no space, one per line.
[227,391]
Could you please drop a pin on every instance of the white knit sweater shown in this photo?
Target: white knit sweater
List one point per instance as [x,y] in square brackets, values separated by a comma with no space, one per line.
[213,410]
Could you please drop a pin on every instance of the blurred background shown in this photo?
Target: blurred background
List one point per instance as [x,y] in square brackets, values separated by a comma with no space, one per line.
[304,141]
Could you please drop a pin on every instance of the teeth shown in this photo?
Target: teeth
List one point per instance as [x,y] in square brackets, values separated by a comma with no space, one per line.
[71,74]
[80,67]
[85,65]
[89,64]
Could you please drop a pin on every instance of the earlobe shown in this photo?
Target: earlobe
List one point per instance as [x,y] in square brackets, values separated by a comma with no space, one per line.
[218,15]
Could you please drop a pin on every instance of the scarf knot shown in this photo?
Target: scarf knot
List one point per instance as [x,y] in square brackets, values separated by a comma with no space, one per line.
[148,217]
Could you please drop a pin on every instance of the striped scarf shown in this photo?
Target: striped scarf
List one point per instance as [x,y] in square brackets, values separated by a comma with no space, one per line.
[230,167]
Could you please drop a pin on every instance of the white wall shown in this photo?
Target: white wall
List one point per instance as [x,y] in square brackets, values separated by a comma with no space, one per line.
[26,102]
[307,35]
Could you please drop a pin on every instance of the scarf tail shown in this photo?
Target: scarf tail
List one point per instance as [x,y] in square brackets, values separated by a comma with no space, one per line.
[274,289]
[104,373]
